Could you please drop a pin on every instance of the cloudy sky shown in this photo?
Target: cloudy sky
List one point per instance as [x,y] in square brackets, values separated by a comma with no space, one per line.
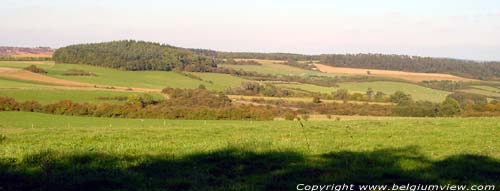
[468,29]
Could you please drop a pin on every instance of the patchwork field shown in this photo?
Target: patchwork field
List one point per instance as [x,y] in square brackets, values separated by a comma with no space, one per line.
[417,92]
[410,76]
[274,67]
[132,154]
[137,80]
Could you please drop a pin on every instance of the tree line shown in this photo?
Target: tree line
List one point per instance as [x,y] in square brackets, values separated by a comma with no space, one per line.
[134,55]
[196,104]
[464,68]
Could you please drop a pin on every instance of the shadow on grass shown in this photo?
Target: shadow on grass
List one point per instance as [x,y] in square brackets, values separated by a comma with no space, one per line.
[233,169]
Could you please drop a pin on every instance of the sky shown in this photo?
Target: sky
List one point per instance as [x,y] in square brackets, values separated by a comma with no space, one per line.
[466,29]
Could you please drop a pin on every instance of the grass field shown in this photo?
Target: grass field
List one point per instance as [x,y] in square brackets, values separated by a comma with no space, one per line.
[134,79]
[46,96]
[66,153]
[417,92]
[274,67]
[159,80]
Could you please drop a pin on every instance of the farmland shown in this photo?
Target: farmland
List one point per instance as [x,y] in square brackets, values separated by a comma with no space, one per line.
[136,145]
[164,153]
[143,79]
[410,76]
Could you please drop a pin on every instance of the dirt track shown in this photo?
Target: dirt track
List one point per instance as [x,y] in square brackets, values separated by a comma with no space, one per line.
[410,76]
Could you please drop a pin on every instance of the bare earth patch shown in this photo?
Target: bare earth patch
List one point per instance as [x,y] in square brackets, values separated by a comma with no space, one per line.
[410,76]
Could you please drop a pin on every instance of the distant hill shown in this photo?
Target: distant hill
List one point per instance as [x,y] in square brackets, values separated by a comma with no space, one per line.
[134,55]
[463,68]
[140,55]
[26,52]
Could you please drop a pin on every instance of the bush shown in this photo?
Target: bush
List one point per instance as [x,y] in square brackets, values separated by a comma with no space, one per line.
[35,69]
[289,116]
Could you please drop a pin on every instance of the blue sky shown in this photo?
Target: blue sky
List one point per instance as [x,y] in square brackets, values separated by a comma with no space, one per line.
[468,29]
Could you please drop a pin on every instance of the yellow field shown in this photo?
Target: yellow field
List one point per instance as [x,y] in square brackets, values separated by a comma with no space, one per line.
[410,76]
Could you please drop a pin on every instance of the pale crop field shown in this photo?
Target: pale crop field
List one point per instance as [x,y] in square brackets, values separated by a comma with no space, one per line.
[410,76]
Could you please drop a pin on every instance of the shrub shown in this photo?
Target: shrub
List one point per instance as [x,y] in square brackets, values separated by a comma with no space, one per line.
[35,69]
[289,116]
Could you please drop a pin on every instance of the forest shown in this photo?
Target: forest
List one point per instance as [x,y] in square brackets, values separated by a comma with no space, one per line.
[134,55]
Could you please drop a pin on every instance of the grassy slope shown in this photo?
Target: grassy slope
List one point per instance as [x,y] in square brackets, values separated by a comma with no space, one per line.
[45,96]
[273,67]
[10,84]
[158,154]
[137,79]
[417,92]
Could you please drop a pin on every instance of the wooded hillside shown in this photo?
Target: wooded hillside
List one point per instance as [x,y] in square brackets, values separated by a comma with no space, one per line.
[134,55]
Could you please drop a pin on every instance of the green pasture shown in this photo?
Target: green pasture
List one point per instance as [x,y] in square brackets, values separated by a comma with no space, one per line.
[65,153]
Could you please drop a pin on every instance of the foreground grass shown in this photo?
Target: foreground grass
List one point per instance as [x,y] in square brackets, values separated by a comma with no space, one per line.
[50,152]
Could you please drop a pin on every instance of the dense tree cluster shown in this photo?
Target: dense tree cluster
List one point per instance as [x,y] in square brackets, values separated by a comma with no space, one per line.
[134,55]
[251,55]
[446,85]
[23,58]
[471,69]
[260,89]
[241,62]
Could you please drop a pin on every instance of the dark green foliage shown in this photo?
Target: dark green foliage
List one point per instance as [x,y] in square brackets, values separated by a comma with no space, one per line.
[134,55]
[253,89]
[471,69]
[446,85]
[35,69]
[255,55]
[17,58]
[182,104]
[418,109]
[401,98]
[450,107]
[467,99]
[236,169]
[241,62]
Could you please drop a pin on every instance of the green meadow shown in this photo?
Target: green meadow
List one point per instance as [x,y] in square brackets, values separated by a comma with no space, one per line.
[66,153]
[134,79]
